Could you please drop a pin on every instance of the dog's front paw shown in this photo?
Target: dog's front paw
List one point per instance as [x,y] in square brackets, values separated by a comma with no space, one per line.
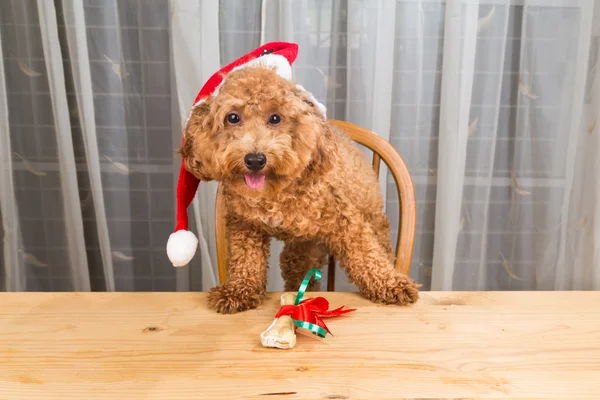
[230,298]
[406,291]
[400,291]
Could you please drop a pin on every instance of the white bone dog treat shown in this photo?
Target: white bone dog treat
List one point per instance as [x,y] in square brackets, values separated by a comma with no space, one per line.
[281,333]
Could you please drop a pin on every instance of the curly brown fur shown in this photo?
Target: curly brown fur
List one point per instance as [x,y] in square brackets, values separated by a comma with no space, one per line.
[319,192]
[247,269]
[297,258]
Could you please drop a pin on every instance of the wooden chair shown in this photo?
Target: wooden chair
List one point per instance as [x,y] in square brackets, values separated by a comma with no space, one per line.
[382,150]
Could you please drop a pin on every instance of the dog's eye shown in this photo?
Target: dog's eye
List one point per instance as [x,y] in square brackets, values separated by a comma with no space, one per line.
[233,118]
[274,119]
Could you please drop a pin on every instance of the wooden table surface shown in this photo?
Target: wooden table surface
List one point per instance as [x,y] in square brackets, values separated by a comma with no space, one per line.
[473,345]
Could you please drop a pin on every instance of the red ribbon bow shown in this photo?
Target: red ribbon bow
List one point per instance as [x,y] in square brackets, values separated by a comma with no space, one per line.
[311,311]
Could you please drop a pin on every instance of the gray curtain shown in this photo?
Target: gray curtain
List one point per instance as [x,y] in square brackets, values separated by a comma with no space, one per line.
[492,104]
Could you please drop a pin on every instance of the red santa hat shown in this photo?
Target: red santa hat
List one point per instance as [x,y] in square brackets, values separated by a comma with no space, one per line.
[182,244]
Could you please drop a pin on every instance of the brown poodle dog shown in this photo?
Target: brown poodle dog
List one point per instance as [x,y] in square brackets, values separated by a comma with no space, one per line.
[287,173]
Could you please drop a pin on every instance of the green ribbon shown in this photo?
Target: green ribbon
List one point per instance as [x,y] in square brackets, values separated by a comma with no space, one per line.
[305,282]
[314,328]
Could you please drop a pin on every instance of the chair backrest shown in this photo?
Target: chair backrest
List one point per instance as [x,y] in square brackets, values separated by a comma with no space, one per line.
[382,150]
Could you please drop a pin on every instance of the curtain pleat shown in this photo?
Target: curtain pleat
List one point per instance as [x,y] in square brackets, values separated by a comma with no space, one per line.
[79,53]
[457,82]
[14,268]
[504,10]
[70,190]
[381,71]
[567,261]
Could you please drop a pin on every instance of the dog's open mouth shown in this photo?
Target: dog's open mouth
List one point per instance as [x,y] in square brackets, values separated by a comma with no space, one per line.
[254,181]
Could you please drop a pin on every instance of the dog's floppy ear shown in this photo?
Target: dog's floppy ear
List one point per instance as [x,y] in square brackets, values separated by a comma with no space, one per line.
[325,150]
[307,97]
[197,128]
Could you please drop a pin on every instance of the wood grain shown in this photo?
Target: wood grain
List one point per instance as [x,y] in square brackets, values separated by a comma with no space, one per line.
[221,235]
[521,345]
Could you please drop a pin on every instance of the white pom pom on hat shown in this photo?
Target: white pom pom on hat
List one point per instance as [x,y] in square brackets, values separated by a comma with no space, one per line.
[182,244]
[181,247]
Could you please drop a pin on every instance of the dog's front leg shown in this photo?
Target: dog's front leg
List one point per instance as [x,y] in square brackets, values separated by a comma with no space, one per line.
[246,270]
[369,266]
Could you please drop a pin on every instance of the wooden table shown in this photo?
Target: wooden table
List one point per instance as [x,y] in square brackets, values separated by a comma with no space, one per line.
[519,345]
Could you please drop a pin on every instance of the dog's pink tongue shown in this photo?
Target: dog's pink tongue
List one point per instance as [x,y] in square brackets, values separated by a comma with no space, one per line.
[255,181]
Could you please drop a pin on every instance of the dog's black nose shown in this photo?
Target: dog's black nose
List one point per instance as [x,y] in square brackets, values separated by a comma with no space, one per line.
[255,161]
